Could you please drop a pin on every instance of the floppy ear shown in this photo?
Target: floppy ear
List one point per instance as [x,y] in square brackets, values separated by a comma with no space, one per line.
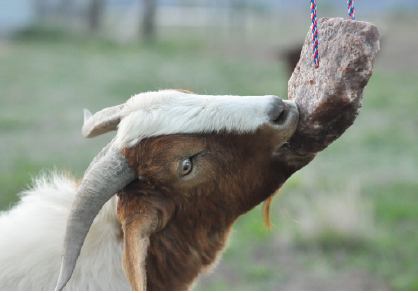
[140,216]
[135,246]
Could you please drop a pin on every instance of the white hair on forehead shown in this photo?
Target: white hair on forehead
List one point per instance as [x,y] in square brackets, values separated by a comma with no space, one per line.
[171,112]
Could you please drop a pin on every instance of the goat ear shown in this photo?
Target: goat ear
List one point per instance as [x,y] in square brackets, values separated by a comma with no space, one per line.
[135,246]
[140,217]
[103,121]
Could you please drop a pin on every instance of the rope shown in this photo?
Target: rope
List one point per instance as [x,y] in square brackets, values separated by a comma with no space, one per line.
[351,13]
[314,33]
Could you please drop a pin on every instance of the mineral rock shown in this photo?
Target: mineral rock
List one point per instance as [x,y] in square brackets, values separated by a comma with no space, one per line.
[329,97]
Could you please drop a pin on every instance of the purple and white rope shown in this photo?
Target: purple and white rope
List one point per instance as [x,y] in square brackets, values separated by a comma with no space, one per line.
[351,13]
[314,33]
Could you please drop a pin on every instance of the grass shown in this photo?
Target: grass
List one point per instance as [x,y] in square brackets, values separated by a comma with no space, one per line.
[48,77]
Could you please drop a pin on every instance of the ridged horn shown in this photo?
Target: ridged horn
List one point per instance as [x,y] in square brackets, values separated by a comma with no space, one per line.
[107,174]
[103,121]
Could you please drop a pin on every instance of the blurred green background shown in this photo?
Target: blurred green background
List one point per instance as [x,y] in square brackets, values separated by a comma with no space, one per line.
[347,221]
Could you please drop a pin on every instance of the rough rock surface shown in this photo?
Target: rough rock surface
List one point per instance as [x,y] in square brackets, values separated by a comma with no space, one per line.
[329,97]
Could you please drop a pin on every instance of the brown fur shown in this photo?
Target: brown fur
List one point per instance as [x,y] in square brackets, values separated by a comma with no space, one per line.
[231,175]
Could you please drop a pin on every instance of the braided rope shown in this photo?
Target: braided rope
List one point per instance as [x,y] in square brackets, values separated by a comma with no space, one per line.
[351,13]
[314,33]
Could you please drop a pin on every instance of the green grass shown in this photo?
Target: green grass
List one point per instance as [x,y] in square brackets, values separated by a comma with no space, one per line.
[47,77]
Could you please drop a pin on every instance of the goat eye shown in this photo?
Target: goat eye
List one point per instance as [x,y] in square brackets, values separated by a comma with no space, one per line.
[186,167]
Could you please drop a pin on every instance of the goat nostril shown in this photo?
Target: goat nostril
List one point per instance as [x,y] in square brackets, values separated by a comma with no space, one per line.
[277,110]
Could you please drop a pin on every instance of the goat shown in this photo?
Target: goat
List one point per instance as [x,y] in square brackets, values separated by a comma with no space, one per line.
[183,168]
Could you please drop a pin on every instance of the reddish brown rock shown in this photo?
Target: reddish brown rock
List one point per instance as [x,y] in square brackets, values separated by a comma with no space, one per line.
[329,97]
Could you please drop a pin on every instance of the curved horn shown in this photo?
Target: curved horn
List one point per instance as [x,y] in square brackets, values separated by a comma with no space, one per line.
[107,174]
[103,121]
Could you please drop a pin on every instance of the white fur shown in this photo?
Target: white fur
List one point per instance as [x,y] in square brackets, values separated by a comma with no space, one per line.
[32,237]
[169,112]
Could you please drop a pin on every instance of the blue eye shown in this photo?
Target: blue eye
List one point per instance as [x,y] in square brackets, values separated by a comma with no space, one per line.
[186,167]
